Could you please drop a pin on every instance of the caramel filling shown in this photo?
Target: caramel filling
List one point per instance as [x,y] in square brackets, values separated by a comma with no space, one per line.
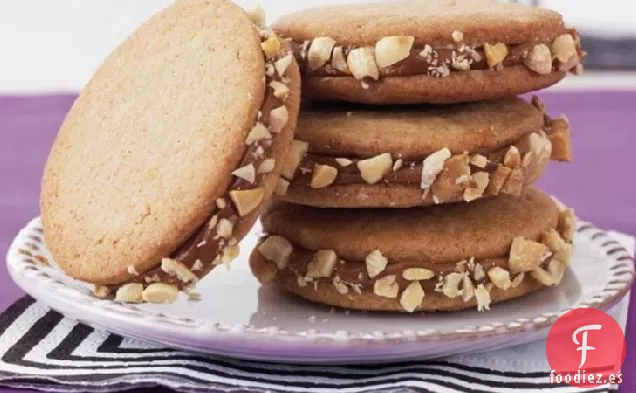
[408,172]
[436,62]
[354,273]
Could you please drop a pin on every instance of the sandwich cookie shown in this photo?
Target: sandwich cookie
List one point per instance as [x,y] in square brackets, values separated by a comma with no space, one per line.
[429,51]
[418,156]
[434,259]
[167,156]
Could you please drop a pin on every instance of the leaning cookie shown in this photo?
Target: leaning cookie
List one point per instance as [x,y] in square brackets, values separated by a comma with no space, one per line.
[404,157]
[168,155]
[437,259]
[417,51]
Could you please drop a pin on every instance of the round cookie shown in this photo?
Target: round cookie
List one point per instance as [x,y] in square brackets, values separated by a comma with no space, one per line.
[429,51]
[168,155]
[433,259]
[351,156]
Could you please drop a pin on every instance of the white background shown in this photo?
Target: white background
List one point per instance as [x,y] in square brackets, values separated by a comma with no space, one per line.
[57,44]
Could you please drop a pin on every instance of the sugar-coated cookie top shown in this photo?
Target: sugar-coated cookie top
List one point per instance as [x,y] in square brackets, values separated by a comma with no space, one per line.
[429,21]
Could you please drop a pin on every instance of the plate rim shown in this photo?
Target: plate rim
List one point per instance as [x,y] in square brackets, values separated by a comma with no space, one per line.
[21,262]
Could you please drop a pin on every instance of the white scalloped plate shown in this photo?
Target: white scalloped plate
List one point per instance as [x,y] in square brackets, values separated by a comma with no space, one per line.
[238,318]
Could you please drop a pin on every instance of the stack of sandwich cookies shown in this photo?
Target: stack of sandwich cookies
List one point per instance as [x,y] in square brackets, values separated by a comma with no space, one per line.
[421,207]
[174,147]
[438,51]
[169,154]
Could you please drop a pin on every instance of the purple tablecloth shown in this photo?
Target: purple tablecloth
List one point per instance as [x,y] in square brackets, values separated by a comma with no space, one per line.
[599,185]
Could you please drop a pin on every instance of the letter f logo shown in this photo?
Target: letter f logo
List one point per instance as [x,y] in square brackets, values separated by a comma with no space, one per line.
[583,344]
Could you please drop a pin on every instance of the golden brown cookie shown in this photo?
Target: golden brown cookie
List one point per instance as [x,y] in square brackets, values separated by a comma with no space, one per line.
[438,258]
[429,51]
[352,156]
[170,151]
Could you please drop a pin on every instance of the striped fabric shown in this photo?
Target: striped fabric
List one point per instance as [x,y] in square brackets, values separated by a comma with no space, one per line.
[40,348]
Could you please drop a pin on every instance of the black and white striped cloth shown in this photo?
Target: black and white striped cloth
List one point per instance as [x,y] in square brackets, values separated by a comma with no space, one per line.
[41,349]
